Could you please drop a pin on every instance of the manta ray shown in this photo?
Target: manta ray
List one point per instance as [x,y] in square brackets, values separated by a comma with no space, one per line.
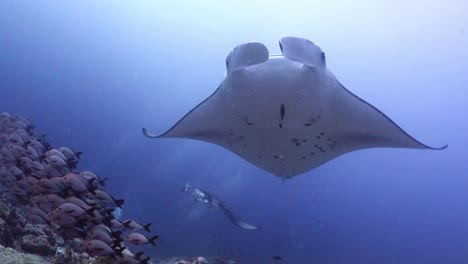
[288,113]
[211,200]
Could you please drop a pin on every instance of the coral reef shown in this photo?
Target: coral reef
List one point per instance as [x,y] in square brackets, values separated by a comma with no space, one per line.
[11,256]
[22,242]
[38,245]
[195,260]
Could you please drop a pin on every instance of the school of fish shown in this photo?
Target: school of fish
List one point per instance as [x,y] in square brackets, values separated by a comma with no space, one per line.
[72,202]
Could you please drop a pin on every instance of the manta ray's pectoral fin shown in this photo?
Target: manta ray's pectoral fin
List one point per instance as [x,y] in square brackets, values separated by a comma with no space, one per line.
[361,125]
[199,123]
[436,148]
[149,134]
[245,55]
[303,51]
[207,121]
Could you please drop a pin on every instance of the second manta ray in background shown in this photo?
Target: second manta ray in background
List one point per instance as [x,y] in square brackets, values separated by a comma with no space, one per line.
[287,114]
[207,198]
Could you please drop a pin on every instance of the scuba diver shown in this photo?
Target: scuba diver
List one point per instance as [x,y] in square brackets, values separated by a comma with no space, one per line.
[207,198]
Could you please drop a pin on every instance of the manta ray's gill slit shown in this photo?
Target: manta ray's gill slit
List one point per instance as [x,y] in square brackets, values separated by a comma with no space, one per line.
[312,120]
[334,144]
[320,148]
[239,138]
[229,139]
[246,120]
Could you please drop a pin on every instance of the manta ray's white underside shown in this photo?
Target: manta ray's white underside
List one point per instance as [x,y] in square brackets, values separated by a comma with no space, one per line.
[287,114]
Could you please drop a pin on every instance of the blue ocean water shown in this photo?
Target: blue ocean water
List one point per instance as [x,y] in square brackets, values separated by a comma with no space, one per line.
[91,74]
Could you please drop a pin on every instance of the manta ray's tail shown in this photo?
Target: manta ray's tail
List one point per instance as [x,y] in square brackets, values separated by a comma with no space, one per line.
[237,221]
[243,224]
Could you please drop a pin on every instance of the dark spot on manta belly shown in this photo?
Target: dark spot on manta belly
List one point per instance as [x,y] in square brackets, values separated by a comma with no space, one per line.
[296,141]
[282,111]
[280,125]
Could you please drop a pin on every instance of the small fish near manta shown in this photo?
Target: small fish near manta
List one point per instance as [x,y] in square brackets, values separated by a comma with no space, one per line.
[207,198]
[287,114]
